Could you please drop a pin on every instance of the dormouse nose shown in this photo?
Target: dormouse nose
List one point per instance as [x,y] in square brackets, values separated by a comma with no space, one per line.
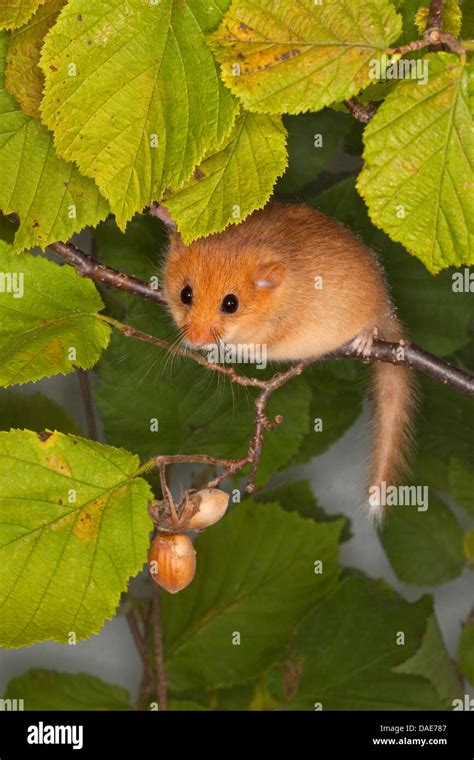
[199,335]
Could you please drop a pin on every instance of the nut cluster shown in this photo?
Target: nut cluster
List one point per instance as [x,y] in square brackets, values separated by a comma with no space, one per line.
[172,557]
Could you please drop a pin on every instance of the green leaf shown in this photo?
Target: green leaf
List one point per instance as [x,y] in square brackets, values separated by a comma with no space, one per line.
[50,690]
[346,651]
[467,31]
[432,661]
[145,102]
[461,480]
[14,13]
[451,19]
[297,496]
[197,411]
[435,317]
[423,547]
[256,577]
[233,180]
[408,10]
[138,251]
[466,651]
[51,197]
[312,142]
[73,529]
[48,319]
[336,403]
[37,412]
[23,78]
[294,57]
[419,154]
[444,430]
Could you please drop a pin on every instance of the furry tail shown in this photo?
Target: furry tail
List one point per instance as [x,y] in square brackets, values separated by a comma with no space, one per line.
[393,395]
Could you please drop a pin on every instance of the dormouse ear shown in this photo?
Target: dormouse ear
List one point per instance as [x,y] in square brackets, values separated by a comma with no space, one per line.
[269,275]
[177,244]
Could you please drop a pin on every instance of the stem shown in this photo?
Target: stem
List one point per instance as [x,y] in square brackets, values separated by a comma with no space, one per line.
[412,356]
[141,640]
[362,113]
[87,266]
[132,332]
[435,15]
[160,673]
[432,37]
[89,411]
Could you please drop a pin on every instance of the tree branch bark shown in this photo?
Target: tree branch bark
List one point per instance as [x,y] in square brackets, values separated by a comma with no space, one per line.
[435,15]
[359,111]
[161,684]
[87,266]
[411,356]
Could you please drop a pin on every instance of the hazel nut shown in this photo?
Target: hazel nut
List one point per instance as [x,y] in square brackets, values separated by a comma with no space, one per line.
[172,561]
[212,506]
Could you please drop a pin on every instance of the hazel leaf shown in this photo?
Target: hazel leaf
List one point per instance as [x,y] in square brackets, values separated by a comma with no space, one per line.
[14,13]
[234,180]
[51,197]
[42,689]
[48,319]
[417,180]
[73,529]
[291,57]
[133,94]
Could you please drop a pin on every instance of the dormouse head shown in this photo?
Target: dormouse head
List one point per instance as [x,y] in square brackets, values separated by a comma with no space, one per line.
[220,290]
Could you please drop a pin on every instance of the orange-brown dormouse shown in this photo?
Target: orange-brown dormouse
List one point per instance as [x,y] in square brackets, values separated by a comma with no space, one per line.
[301,284]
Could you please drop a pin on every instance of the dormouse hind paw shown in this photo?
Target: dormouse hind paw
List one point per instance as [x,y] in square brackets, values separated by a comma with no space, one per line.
[362,343]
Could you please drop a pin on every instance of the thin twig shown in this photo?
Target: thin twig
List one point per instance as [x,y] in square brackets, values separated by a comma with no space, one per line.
[362,113]
[411,356]
[160,673]
[430,38]
[87,266]
[146,686]
[138,636]
[132,332]
[88,403]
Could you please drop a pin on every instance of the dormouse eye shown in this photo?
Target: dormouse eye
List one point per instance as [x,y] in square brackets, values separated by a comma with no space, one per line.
[230,304]
[187,295]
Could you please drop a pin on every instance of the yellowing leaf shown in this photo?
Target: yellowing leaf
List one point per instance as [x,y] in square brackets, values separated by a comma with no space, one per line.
[24,79]
[73,529]
[133,94]
[419,156]
[51,197]
[48,319]
[14,13]
[293,57]
[234,181]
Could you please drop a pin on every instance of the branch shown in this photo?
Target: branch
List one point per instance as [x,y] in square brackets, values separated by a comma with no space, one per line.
[87,266]
[432,37]
[161,685]
[435,15]
[85,386]
[359,111]
[413,356]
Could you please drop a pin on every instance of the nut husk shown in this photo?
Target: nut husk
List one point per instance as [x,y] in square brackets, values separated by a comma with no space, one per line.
[172,561]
